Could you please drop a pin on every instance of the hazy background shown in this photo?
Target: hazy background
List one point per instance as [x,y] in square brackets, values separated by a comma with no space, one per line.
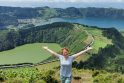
[63,3]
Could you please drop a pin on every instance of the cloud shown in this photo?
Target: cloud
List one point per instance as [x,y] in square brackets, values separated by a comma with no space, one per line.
[63,3]
[88,1]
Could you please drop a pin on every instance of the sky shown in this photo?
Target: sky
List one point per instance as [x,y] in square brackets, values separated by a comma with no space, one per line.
[64,3]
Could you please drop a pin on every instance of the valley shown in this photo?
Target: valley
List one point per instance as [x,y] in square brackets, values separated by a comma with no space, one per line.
[23,32]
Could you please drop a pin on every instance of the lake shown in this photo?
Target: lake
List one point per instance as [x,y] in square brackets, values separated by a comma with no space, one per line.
[100,22]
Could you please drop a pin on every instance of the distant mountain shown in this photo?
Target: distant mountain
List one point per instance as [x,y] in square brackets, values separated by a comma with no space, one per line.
[10,15]
[91,12]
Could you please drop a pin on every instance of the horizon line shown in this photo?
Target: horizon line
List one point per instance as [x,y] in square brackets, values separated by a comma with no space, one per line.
[58,7]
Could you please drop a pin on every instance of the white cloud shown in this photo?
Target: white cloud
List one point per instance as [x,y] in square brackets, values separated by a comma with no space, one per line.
[63,3]
[89,1]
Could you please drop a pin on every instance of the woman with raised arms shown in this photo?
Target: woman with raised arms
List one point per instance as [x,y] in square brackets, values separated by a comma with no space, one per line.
[66,62]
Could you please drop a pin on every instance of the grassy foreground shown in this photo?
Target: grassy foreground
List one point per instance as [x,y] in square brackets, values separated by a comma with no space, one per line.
[31,53]
[46,75]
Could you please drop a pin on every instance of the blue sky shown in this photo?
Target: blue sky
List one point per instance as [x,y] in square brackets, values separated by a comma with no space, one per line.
[63,3]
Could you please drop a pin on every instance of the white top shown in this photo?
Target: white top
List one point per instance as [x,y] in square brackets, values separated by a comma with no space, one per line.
[66,65]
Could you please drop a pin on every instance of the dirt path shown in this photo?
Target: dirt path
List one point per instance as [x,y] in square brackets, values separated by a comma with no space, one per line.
[84,78]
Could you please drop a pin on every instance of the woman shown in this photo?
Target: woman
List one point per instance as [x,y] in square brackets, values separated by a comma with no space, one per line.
[66,62]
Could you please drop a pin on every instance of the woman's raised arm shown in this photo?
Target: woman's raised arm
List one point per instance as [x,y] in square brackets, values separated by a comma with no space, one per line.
[50,51]
[81,52]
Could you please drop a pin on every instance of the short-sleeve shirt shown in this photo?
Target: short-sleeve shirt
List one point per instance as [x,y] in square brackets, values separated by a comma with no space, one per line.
[66,66]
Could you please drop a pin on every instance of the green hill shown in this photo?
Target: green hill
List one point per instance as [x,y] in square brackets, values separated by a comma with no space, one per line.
[107,44]
[64,34]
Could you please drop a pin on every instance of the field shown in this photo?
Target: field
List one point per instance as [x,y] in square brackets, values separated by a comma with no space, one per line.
[31,53]
[99,40]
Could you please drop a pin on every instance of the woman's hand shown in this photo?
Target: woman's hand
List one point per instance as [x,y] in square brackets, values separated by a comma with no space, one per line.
[45,47]
[89,48]
[81,52]
[50,51]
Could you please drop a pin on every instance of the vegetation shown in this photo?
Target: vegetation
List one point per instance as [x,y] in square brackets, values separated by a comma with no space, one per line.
[105,58]
[31,75]
[100,41]
[104,64]
[108,47]
[109,57]
[64,34]
[27,75]
[29,53]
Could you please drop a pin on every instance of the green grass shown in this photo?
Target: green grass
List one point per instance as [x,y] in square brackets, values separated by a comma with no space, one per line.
[27,53]
[33,52]
[47,66]
[100,40]
[38,75]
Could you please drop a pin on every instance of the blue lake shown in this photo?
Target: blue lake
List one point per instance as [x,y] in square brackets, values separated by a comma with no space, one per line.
[100,22]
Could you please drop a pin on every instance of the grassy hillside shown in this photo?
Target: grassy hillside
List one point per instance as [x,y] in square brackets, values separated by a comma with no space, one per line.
[65,34]
[73,36]
[30,53]
[110,56]
[85,75]
[100,41]
[43,75]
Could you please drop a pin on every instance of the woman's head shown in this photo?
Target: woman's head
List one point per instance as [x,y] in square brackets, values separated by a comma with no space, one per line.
[64,51]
